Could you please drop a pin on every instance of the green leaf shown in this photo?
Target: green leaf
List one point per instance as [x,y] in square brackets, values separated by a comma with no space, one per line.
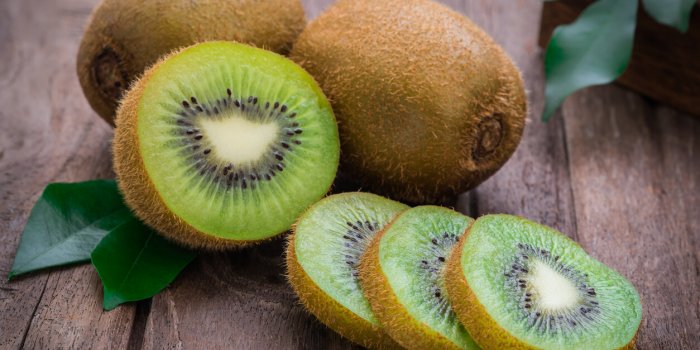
[673,13]
[595,49]
[135,263]
[66,224]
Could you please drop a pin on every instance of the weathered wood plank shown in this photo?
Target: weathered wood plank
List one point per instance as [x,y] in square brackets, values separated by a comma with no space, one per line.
[48,133]
[635,173]
[70,315]
[239,300]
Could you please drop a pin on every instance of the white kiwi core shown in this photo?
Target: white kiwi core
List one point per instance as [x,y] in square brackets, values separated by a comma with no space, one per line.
[237,140]
[555,291]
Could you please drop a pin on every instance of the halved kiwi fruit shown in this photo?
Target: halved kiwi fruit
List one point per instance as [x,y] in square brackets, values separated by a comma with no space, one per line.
[124,37]
[401,275]
[221,144]
[429,105]
[516,284]
[323,261]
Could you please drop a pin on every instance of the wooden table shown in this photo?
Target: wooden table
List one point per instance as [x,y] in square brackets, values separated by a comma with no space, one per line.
[617,173]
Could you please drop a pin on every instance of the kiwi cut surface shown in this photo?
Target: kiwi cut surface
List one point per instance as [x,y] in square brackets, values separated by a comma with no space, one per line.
[429,105]
[323,260]
[124,37]
[516,284]
[401,275]
[221,144]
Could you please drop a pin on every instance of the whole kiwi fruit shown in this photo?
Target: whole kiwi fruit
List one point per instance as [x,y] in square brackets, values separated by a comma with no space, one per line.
[223,144]
[124,37]
[428,104]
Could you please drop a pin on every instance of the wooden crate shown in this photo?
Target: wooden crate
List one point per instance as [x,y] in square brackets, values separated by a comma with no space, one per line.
[665,63]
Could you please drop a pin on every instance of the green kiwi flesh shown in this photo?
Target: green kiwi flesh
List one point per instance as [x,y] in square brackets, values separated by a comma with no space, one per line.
[235,141]
[323,260]
[543,289]
[410,257]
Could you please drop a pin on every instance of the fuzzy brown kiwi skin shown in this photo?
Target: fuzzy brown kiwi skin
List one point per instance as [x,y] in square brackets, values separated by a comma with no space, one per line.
[395,320]
[485,331]
[422,115]
[135,185]
[124,37]
[330,312]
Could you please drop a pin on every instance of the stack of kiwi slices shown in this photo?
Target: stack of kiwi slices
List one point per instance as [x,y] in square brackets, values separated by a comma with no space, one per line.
[427,277]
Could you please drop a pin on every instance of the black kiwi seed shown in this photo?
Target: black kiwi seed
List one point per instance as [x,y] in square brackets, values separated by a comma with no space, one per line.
[432,265]
[357,238]
[549,321]
[206,163]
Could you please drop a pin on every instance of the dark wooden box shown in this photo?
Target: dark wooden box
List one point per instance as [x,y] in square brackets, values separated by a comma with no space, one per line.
[665,63]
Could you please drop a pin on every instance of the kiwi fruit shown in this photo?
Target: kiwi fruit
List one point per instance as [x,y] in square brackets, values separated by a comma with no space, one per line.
[323,258]
[401,275]
[222,144]
[516,284]
[124,37]
[428,104]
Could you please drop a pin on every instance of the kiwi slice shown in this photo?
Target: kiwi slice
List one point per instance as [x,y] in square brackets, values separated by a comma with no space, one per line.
[429,105]
[516,284]
[124,37]
[323,261]
[221,144]
[401,274]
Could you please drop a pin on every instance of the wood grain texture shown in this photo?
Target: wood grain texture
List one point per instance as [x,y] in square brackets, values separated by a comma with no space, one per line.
[664,63]
[612,170]
[635,189]
[48,133]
